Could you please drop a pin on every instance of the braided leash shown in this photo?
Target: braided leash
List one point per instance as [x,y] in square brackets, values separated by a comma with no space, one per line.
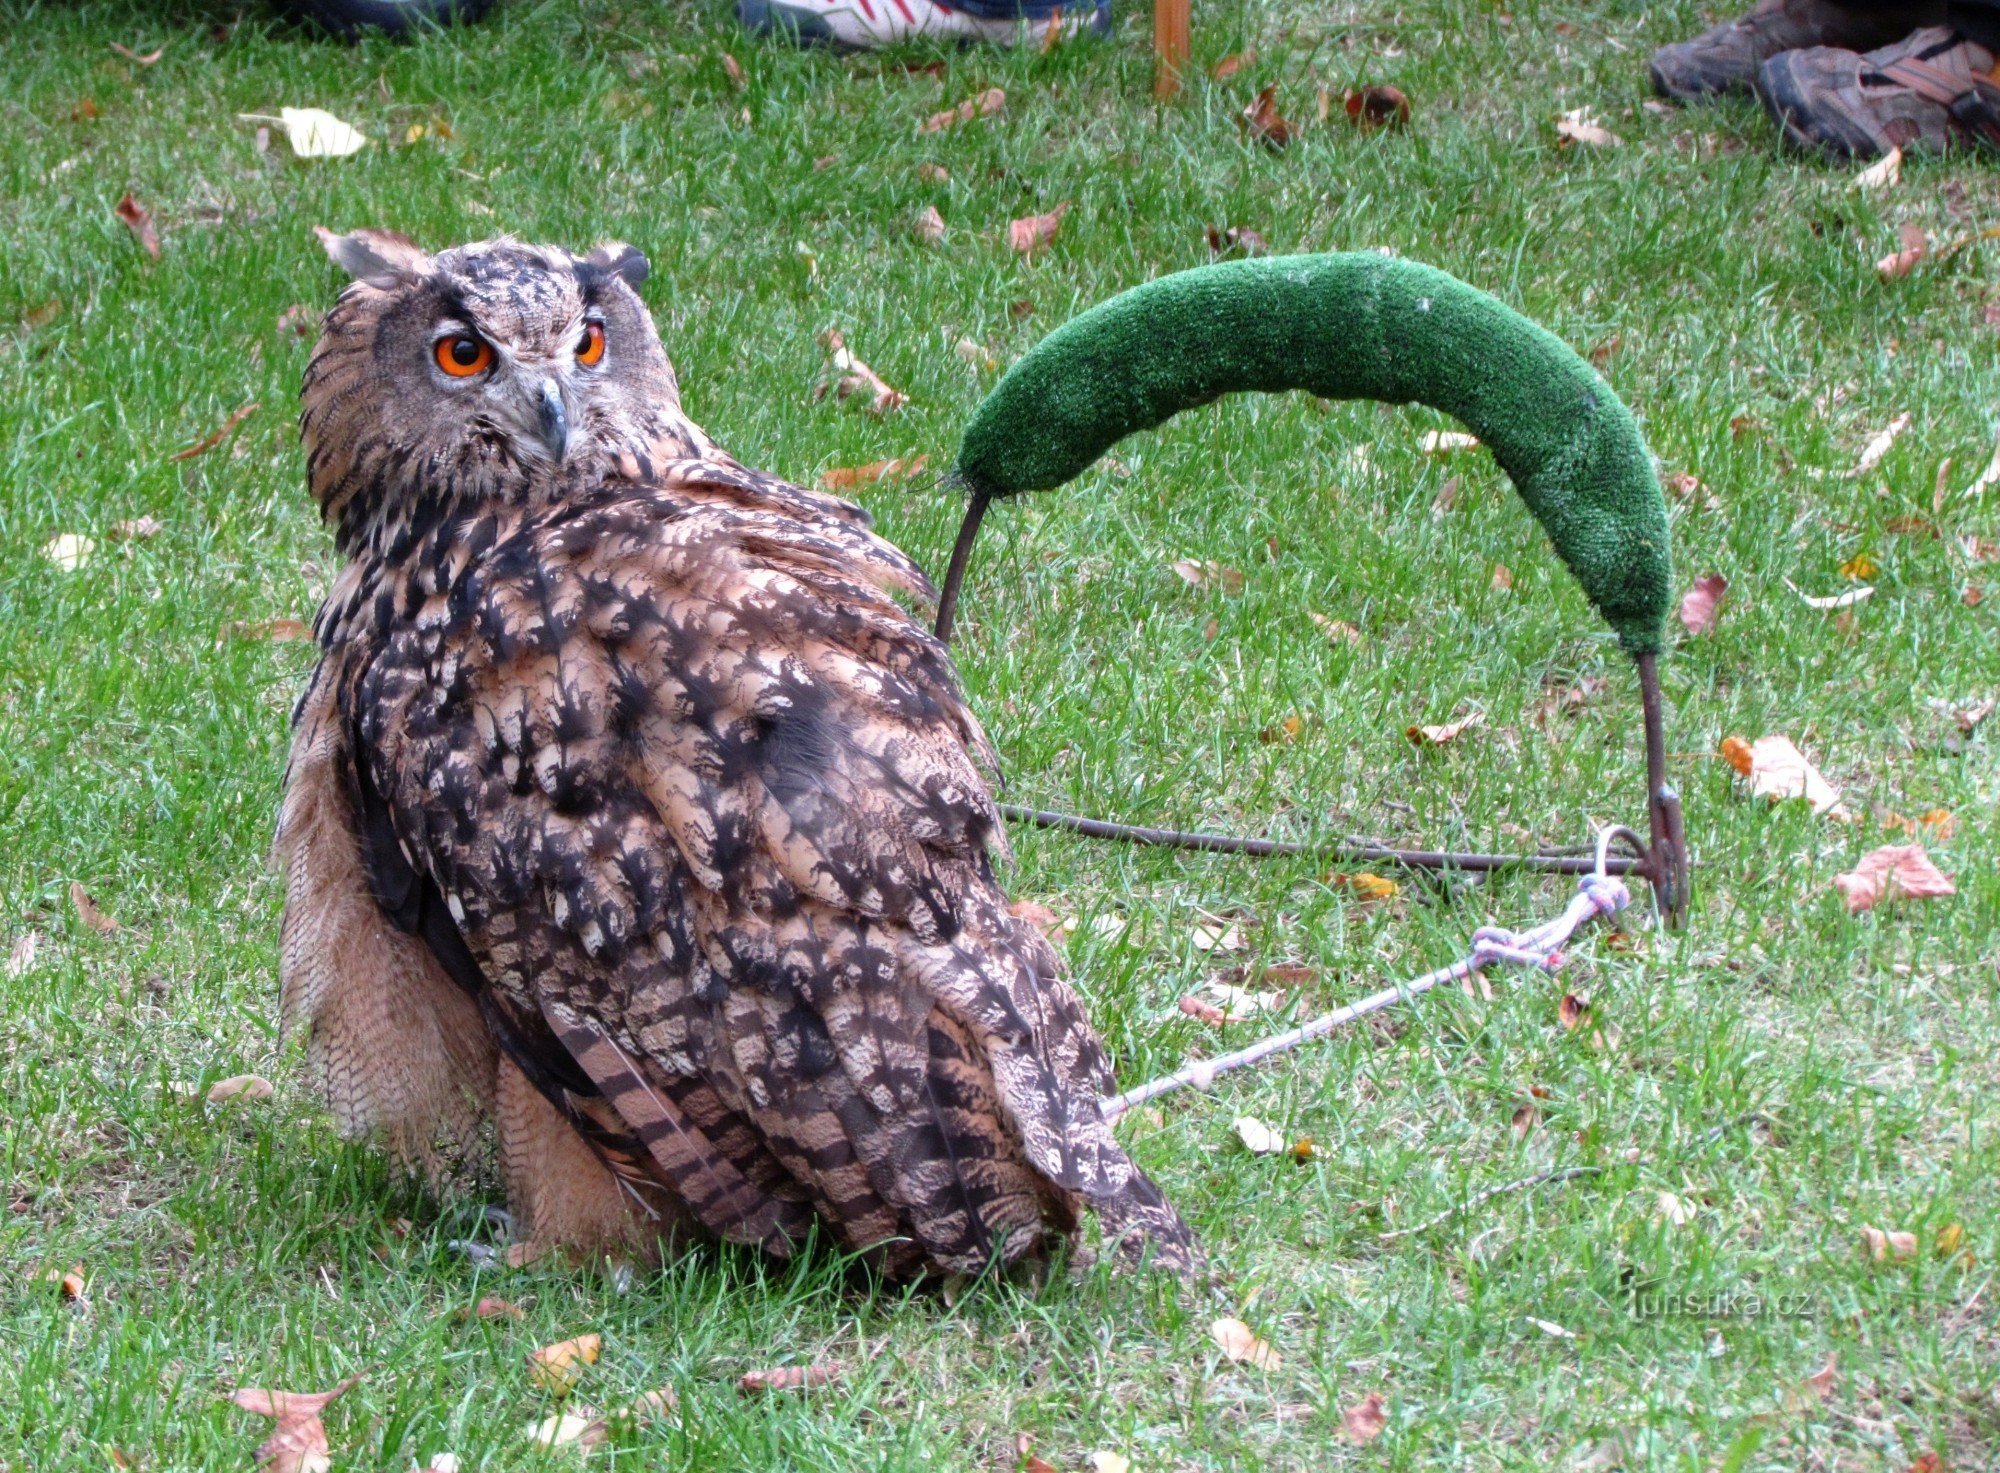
[1539,948]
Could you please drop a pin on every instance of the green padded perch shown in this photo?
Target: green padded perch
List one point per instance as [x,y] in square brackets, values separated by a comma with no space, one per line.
[1357,326]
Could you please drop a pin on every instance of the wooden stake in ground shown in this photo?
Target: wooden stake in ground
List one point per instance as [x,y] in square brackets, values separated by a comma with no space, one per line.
[1170,46]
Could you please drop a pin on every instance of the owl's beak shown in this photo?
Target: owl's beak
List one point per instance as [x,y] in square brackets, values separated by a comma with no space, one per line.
[552,421]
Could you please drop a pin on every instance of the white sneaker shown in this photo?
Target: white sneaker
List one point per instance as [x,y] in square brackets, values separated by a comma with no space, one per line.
[865,24]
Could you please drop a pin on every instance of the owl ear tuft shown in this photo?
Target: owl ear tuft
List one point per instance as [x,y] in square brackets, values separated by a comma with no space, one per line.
[628,262]
[370,255]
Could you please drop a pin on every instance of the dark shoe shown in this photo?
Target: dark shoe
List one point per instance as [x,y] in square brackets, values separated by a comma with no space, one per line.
[1725,60]
[1929,91]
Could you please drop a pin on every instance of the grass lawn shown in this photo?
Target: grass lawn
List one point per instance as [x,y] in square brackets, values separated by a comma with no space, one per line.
[1733,293]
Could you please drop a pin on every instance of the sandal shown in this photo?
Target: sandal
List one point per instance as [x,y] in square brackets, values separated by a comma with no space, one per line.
[1931,90]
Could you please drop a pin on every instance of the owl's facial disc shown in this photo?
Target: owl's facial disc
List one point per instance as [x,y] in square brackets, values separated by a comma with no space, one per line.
[529,394]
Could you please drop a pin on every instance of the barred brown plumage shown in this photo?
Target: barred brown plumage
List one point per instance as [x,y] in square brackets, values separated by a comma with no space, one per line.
[629,804]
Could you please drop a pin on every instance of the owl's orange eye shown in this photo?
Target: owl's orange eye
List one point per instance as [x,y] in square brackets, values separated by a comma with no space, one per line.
[591,347]
[463,355]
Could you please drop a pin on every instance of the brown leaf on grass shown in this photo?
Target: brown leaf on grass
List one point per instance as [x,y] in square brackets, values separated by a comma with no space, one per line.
[1338,631]
[1242,1345]
[21,956]
[733,69]
[1502,580]
[851,379]
[1860,568]
[1928,1461]
[1364,886]
[1604,351]
[130,55]
[1105,1461]
[37,318]
[1778,770]
[1950,1238]
[928,173]
[298,1443]
[1447,496]
[1258,1138]
[1447,442]
[1822,1381]
[1882,1245]
[90,913]
[1201,574]
[1366,1419]
[299,320]
[209,441]
[985,105]
[1524,1120]
[1965,718]
[493,1308]
[1573,1010]
[135,529]
[1376,107]
[1445,735]
[84,110]
[854,477]
[1900,263]
[1263,121]
[1579,126]
[1202,1010]
[1878,446]
[1700,604]
[240,1087]
[277,631]
[1236,240]
[1229,66]
[1037,915]
[1893,872]
[928,226]
[558,1367]
[791,1378]
[137,220]
[1884,172]
[69,1282]
[1031,232]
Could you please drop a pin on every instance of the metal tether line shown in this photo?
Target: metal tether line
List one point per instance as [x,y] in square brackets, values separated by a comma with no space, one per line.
[1662,862]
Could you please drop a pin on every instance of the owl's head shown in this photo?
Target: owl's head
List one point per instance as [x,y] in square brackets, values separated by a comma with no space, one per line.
[495,372]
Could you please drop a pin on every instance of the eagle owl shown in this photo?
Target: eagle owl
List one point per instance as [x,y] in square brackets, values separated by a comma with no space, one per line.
[628,807]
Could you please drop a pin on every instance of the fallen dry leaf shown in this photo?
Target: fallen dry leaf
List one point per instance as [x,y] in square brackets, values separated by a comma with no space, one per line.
[1200,574]
[1439,736]
[1103,1461]
[1378,106]
[37,318]
[1883,173]
[240,1087]
[1672,1210]
[851,379]
[558,1367]
[1604,351]
[1778,770]
[1573,1011]
[1950,1238]
[1365,886]
[69,1282]
[1339,631]
[1965,718]
[933,174]
[791,1378]
[1845,600]
[90,912]
[1878,446]
[22,954]
[1883,1245]
[1283,733]
[1258,1138]
[299,320]
[1502,579]
[277,631]
[1700,604]
[733,69]
[985,105]
[582,1427]
[1236,240]
[854,477]
[1365,1420]
[1031,232]
[493,1308]
[1900,263]
[298,1443]
[1822,1381]
[1230,65]
[1447,442]
[1550,1328]
[1523,1121]
[1893,872]
[928,226]
[135,529]
[147,59]
[139,221]
[69,550]
[1579,126]
[313,132]
[214,438]
[84,110]
[1240,1343]
[1860,568]
[1263,121]
[1203,1010]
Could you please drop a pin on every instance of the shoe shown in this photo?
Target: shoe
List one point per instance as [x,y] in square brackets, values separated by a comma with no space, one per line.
[865,24]
[1929,91]
[1725,60]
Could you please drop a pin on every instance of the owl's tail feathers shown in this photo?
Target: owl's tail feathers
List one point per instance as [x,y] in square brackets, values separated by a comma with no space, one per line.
[1143,1226]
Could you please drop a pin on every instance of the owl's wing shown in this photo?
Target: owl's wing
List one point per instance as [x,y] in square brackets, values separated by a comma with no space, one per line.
[700,797]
